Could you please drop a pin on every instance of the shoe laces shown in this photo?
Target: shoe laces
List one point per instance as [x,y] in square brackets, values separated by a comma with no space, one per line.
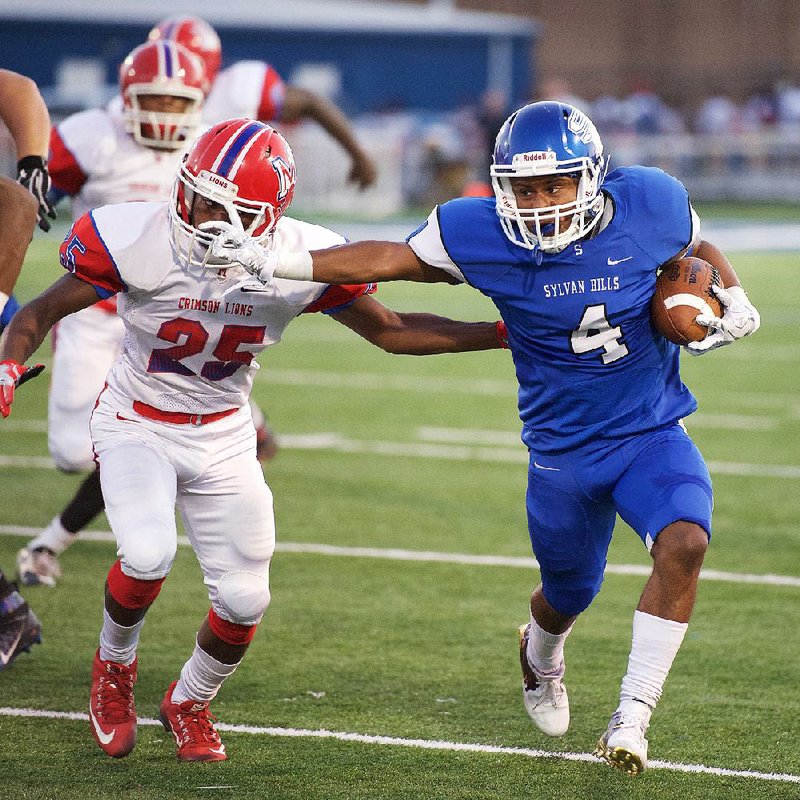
[115,693]
[196,723]
[621,720]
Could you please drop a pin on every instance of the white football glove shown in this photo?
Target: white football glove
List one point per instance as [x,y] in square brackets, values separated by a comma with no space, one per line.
[232,246]
[740,318]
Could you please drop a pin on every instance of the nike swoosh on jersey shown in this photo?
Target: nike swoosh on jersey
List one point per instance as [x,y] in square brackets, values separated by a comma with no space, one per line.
[614,261]
[125,419]
[549,469]
[105,738]
[5,655]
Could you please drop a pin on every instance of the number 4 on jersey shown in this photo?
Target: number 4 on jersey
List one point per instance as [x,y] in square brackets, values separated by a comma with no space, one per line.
[594,332]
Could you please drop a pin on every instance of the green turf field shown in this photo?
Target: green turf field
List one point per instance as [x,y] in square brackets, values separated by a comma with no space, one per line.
[421,455]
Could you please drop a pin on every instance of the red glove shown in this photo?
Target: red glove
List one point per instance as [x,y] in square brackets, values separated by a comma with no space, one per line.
[13,374]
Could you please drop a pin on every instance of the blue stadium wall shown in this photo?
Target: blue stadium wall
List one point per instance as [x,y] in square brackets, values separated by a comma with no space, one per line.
[431,71]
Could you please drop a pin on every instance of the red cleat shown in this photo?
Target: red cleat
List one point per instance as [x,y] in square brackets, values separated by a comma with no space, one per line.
[192,725]
[112,712]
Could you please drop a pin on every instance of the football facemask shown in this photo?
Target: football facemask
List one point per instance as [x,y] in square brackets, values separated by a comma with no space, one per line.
[244,167]
[548,138]
[161,69]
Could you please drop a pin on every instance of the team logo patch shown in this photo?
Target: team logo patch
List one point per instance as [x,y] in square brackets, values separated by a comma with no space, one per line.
[582,126]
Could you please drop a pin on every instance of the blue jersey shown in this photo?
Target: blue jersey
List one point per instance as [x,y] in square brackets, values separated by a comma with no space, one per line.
[589,363]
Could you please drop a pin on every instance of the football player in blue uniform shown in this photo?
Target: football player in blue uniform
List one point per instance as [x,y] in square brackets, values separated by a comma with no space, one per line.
[570,256]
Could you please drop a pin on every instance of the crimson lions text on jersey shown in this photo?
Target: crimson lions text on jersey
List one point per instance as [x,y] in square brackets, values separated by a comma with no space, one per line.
[589,364]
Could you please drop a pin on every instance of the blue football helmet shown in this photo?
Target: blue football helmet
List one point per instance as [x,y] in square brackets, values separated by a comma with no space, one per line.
[548,138]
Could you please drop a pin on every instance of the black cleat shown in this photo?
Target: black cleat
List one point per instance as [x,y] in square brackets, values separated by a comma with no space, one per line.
[19,628]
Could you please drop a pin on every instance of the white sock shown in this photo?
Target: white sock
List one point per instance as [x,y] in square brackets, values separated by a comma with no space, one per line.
[201,677]
[54,537]
[656,642]
[546,650]
[118,643]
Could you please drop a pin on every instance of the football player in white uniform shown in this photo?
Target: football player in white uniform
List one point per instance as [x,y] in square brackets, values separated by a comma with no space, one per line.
[254,89]
[173,423]
[98,158]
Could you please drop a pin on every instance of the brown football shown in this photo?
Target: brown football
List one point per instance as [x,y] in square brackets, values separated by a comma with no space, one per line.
[683,290]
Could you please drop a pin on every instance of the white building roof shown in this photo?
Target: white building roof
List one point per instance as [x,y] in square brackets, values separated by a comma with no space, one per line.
[333,15]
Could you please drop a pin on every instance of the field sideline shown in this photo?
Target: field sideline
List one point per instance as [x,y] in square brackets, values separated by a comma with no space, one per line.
[387,665]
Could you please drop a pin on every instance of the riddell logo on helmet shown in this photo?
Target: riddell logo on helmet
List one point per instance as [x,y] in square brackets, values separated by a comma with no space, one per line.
[534,156]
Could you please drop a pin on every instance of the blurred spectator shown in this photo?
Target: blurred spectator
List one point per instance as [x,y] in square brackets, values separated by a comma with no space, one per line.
[559,89]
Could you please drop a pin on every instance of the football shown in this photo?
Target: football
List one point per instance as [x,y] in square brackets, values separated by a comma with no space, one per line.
[683,290]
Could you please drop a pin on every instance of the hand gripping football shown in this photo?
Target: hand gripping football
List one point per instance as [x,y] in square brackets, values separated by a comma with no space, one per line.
[683,290]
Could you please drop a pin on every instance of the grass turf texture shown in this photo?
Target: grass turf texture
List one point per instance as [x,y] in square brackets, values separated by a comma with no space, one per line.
[428,650]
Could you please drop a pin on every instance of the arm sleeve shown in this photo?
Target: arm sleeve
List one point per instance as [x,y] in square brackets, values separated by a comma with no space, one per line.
[273,94]
[66,174]
[337,298]
[84,253]
[426,242]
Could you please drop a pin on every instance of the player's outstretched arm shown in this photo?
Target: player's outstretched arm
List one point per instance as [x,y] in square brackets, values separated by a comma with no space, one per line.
[28,328]
[300,103]
[418,334]
[360,262]
[740,317]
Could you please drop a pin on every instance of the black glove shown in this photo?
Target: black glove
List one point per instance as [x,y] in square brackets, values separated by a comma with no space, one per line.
[32,174]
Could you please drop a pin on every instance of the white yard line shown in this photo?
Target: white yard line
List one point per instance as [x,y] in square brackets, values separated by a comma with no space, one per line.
[468,559]
[422,744]
[449,452]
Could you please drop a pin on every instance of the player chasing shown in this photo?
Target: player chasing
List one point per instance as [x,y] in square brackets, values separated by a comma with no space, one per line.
[22,205]
[569,256]
[130,151]
[173,423]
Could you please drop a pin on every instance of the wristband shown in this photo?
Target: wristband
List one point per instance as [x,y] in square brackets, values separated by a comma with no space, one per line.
[29,163]
[3,301]
[297,266]
[502,334]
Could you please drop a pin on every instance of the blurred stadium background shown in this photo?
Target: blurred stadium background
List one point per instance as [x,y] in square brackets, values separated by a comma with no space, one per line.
[708,90]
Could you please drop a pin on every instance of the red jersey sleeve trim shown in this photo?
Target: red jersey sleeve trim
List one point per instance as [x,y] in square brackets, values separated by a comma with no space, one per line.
[337,298]
[66,174]
[84,253]
[273,93]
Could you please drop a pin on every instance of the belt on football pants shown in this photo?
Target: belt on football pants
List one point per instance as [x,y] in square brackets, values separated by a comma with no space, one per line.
[177,417]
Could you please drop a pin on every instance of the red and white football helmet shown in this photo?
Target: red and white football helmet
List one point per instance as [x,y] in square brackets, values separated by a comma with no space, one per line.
[197,36]
[159,69]
[246,167]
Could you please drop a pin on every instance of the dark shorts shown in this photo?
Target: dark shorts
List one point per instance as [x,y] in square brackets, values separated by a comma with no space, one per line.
[650,480]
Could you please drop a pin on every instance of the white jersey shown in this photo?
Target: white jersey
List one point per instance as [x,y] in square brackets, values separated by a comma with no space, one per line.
[251,89]
[191,336]
[94,160]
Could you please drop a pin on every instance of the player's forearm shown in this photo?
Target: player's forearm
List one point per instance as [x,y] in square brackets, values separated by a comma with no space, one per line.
[25,114]
[428,334]
[17,220]
[359,262]
[24,335]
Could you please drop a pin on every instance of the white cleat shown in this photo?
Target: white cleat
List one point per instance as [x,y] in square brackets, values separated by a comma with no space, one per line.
[545,698]
[37,567]
[623,745]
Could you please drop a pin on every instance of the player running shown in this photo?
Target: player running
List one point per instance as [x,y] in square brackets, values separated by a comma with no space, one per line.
[173,423]
[570,258]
